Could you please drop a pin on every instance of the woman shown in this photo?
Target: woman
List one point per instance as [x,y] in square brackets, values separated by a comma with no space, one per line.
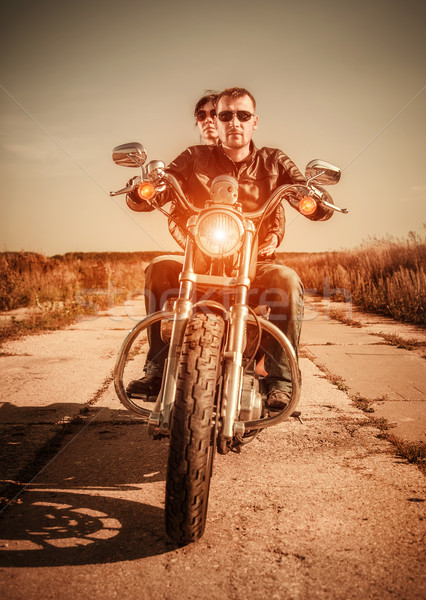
[204,114]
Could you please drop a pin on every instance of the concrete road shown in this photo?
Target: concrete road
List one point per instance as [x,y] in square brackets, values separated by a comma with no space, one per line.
[323,509]
[392,379]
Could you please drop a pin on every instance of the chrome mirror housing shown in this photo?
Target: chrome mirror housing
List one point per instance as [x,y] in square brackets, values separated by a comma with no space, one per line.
[322,172]
[132,154]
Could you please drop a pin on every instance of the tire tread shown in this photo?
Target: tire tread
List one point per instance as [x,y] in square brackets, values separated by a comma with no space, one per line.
[190,454]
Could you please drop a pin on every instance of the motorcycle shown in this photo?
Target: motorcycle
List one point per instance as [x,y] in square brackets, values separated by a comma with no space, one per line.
[212,397]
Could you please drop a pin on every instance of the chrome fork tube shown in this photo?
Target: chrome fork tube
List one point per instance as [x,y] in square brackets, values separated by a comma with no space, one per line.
[161,415]
[233,371]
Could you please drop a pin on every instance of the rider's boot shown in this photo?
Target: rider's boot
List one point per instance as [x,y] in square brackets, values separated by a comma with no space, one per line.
[146,388]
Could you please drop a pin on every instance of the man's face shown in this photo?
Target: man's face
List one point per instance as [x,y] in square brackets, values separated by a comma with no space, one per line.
[207,127]
[235,133]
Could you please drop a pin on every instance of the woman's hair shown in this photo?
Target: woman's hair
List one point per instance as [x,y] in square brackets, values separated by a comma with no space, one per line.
[210,96]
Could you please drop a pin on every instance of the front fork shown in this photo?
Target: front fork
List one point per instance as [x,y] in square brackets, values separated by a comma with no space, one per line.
[233,369]
[160,417]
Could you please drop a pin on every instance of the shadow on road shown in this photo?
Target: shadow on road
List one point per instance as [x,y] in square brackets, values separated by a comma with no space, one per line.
[61,529]
[89,504]
[107,449]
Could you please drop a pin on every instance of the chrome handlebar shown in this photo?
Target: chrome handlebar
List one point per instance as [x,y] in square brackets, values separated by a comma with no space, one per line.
[125,190]
[270,205]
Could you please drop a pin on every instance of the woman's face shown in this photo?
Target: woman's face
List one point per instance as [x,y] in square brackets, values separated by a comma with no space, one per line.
[206,122]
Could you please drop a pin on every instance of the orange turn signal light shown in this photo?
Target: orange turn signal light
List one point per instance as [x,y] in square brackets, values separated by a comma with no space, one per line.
[146,190]
[307,205]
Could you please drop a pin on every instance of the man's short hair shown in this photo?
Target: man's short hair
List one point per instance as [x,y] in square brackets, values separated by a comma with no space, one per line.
[234,93]
[210,96]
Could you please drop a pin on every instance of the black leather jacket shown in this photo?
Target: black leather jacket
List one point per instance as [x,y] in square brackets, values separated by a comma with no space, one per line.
[258,176]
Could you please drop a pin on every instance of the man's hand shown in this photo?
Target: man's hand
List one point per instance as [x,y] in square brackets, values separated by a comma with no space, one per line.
[269,245]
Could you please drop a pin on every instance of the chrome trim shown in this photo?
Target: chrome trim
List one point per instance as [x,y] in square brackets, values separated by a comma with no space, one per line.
[295,379]
[336,208]
[161,415]
[211,213]
[122,358]
[323,172]
[132,154]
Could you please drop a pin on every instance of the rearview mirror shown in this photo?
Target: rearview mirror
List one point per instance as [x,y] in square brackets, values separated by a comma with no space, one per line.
[323,172]
[132,154]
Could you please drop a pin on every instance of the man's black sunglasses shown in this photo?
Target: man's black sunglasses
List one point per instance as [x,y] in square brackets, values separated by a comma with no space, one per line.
[203,114]
[242,115]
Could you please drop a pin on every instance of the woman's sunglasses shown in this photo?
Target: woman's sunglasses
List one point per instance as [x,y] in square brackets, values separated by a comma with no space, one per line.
[203,114]
[242,115]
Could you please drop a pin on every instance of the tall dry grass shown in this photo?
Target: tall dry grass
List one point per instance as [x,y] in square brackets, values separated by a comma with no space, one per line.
[59,289]
[385,276]
[75,279]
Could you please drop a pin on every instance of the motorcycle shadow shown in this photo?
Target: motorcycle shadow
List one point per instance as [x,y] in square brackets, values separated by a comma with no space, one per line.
[63,529]
[90,504]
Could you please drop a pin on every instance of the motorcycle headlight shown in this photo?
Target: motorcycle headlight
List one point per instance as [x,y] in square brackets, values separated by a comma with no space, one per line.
[219,233]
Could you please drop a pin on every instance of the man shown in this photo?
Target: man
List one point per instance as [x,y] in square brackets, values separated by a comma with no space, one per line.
[205,113]
[259,172]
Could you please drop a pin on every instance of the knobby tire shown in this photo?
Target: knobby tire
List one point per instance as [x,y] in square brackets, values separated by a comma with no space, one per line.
[192,441]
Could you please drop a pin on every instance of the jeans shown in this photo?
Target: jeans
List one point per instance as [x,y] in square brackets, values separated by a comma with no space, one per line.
[275,285]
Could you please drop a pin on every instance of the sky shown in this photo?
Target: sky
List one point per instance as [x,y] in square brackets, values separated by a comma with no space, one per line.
[341,81]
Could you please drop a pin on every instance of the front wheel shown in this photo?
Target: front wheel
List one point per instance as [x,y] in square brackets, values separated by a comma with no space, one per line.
[190,463]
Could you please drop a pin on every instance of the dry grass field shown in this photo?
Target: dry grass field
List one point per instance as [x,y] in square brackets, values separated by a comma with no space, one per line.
[386,276]
[30,279]
[59,289]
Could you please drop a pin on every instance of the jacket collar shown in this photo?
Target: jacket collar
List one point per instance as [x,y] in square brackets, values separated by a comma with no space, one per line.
[247,159]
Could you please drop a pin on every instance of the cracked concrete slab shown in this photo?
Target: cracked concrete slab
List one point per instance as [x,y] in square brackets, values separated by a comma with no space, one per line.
[323,332]
[322,309]
[405,420]
[370,367]
[375,371]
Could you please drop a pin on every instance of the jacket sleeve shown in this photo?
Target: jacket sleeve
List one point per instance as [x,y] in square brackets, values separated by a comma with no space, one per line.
[287,173]
[177,223]
[275,223]
[181,168]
